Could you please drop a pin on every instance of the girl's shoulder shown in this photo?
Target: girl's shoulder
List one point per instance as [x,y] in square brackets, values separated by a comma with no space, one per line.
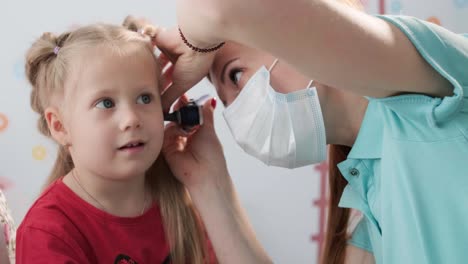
[49,211]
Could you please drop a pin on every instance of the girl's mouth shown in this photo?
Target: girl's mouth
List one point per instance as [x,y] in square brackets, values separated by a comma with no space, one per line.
[133,146]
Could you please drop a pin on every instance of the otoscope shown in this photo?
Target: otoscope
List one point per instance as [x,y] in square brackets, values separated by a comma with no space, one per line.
[189,115]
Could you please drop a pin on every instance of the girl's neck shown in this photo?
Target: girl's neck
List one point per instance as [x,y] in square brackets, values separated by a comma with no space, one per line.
[126,198]
[343,113]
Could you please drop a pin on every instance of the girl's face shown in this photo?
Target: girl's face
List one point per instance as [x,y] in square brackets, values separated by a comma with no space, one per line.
[112,113]
[234,64]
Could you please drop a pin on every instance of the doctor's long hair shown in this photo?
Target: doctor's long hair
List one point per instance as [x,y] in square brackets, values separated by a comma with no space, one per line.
[336,234]
[47,72]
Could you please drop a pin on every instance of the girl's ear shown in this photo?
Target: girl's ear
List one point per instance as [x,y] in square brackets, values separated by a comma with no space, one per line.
[56,126]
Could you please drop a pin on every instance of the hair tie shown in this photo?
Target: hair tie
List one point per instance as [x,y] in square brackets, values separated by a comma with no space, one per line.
[56,50]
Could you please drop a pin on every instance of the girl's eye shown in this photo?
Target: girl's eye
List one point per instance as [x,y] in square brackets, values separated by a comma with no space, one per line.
[105,104]
[144,99]
[235,75]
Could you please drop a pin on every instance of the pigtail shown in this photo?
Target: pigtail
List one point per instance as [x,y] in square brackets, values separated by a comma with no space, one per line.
[41,73]
[39,56]
[46,78]
[38,60]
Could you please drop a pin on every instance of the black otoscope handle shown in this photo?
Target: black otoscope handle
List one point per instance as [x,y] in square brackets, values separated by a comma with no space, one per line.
[189,115]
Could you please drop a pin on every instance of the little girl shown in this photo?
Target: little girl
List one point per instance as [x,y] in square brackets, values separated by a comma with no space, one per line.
[111,197]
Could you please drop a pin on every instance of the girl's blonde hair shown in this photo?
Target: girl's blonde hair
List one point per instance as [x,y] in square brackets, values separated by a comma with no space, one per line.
[49,62]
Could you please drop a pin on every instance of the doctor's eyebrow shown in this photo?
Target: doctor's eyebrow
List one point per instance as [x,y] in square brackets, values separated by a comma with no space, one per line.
[224,68]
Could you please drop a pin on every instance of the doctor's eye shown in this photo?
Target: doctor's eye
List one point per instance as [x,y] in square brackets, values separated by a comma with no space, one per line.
[235,75]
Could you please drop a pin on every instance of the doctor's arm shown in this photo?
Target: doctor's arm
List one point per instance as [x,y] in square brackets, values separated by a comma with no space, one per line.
[232,236]
[326,40]
[197,160]
[355,255]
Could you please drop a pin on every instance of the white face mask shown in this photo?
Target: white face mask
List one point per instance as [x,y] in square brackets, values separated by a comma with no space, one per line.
[284,130]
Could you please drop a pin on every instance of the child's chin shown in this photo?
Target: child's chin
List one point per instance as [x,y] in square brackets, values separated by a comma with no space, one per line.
[131,172]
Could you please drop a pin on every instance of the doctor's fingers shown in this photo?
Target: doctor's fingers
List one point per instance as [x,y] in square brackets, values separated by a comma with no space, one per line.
[163,61]
[174,135]
[181,82]
[169,43]
[166,76]
[183,100]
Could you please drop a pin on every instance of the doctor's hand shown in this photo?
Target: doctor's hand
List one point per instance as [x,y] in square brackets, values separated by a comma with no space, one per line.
[184,67]
[196,158]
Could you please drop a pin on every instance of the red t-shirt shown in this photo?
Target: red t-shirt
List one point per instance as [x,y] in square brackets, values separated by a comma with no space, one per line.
[60,227]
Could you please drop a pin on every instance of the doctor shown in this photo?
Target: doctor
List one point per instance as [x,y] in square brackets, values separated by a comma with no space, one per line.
[399,105]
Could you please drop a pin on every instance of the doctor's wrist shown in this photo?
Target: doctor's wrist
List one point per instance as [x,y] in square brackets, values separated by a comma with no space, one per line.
[221,190]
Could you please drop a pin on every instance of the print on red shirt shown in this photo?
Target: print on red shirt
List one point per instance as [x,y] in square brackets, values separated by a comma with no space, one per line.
[124,259]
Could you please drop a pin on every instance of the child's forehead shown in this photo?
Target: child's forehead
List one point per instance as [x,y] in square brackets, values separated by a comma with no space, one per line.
[113,56]
[108,69]
[111,51]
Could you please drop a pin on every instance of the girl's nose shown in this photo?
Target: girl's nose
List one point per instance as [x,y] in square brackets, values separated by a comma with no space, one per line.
[130,120]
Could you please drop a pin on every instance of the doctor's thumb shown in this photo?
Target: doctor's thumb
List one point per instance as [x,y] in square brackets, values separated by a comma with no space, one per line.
[208,111]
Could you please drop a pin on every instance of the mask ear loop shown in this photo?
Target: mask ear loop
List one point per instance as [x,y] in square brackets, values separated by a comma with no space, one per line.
[276,62]
[273,65]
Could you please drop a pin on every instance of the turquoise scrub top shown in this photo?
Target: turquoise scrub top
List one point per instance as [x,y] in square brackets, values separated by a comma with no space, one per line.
[408,169]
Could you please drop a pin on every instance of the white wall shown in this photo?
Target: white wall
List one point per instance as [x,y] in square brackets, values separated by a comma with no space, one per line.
[279,202]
